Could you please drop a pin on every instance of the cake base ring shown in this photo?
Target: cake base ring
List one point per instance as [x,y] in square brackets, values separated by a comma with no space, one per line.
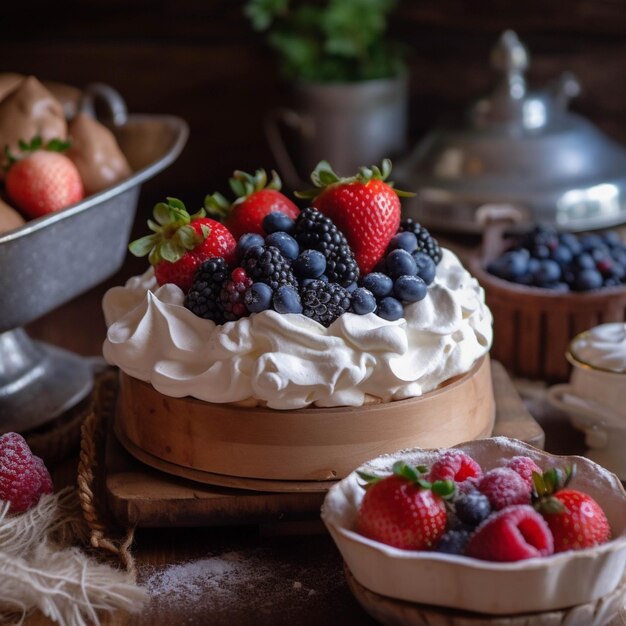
[312,444]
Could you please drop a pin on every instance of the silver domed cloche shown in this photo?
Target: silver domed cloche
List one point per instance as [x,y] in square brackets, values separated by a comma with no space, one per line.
[520,148]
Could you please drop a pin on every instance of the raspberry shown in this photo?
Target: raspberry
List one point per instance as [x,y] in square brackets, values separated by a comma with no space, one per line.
[512,534]
[23,476]
[203,297]
[524,466]
[324,302]
[454,465]
[232,295]
[315,231]
[425,241]
[504,487]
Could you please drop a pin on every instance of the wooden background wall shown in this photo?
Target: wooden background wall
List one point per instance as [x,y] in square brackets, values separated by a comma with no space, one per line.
[199,59]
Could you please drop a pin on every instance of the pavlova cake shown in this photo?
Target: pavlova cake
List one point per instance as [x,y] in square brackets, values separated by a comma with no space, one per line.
[341,304]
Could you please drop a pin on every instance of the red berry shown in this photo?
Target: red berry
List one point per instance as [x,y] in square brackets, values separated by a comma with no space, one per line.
[524,466]
[400,513]
[256,198]
[364,208]
[180,243]
[582,523]
[23,476]
[232,294]
[455,465]
[43,182]
[504,487]
[512,534]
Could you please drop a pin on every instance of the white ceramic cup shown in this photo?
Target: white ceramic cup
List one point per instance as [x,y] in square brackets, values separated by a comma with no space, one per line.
[595,398]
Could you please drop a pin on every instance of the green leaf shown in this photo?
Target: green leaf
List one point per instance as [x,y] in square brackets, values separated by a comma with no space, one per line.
[368,478]
[141,247]
[275,183]
[199,214]
[187,238]
[206,231]
[36,143]
[538,484]
[400,468]
[177,204]
[238,187]
[170,251]
[163,214]
[422,469]
[153,226]
[553,506]
[58,145]
[23,146]
[444,488]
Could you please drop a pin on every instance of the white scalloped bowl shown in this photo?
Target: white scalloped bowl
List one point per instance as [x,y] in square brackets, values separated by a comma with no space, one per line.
[534,585]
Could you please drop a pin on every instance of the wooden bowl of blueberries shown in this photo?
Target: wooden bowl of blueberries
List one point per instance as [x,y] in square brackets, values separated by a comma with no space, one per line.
[544,286]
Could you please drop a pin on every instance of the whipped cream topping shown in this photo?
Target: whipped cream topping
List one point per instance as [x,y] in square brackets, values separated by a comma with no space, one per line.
[290,361]
[603,347]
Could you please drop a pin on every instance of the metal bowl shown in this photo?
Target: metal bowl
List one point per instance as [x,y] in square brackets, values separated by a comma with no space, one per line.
[51,260]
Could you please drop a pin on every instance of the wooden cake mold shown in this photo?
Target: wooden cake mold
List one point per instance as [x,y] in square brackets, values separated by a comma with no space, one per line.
[222,443]
[139,495]
[533,326]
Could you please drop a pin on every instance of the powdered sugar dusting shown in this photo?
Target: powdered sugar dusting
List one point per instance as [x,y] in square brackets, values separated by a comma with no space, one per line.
[255,580]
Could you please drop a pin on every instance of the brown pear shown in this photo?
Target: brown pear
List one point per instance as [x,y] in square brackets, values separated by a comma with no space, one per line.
[30,110]
[9,217]
[96,154]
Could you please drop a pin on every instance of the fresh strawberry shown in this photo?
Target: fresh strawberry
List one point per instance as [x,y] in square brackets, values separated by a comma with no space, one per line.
[256,198]
[364,207]
[576,520]
[403,510]
[516,532]
[42,180]
[180,243]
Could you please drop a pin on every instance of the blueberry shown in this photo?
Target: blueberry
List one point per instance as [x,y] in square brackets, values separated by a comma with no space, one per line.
[307,281]
[390,309]
[511,264]
[590,242]
[309,264]
[379,284]
[618,272]
[363,301]
[453,542]
[246,242]
[562,255]
[549,271]
[426,268]
[287,300]
[400,263]
[588,279]
[472,508]
[612,239]
[584,261]
[277,222]
[540,251]
[403,241]
[351,288]
[287,245]
[570,241]
[258,297]
[410,288]
[619,256]
[559,287]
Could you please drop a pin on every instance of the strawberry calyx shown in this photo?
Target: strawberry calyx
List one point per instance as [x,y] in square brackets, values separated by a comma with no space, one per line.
[546,485]
[36,143]
[414,474]
[172,234]
[324,176]
[243,185]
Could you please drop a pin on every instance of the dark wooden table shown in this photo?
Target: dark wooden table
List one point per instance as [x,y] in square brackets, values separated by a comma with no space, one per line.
[237,575]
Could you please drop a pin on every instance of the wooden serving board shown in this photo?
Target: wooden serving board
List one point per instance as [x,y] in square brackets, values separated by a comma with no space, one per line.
[143,496]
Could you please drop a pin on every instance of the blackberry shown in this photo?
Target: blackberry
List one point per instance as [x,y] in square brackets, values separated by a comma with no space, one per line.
[203,298]
[425,241]
[232,295]
[324,302]
[315,231]
[265,264]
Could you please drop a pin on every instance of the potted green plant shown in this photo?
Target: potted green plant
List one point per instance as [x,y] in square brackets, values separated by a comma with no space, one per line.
[350,83]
